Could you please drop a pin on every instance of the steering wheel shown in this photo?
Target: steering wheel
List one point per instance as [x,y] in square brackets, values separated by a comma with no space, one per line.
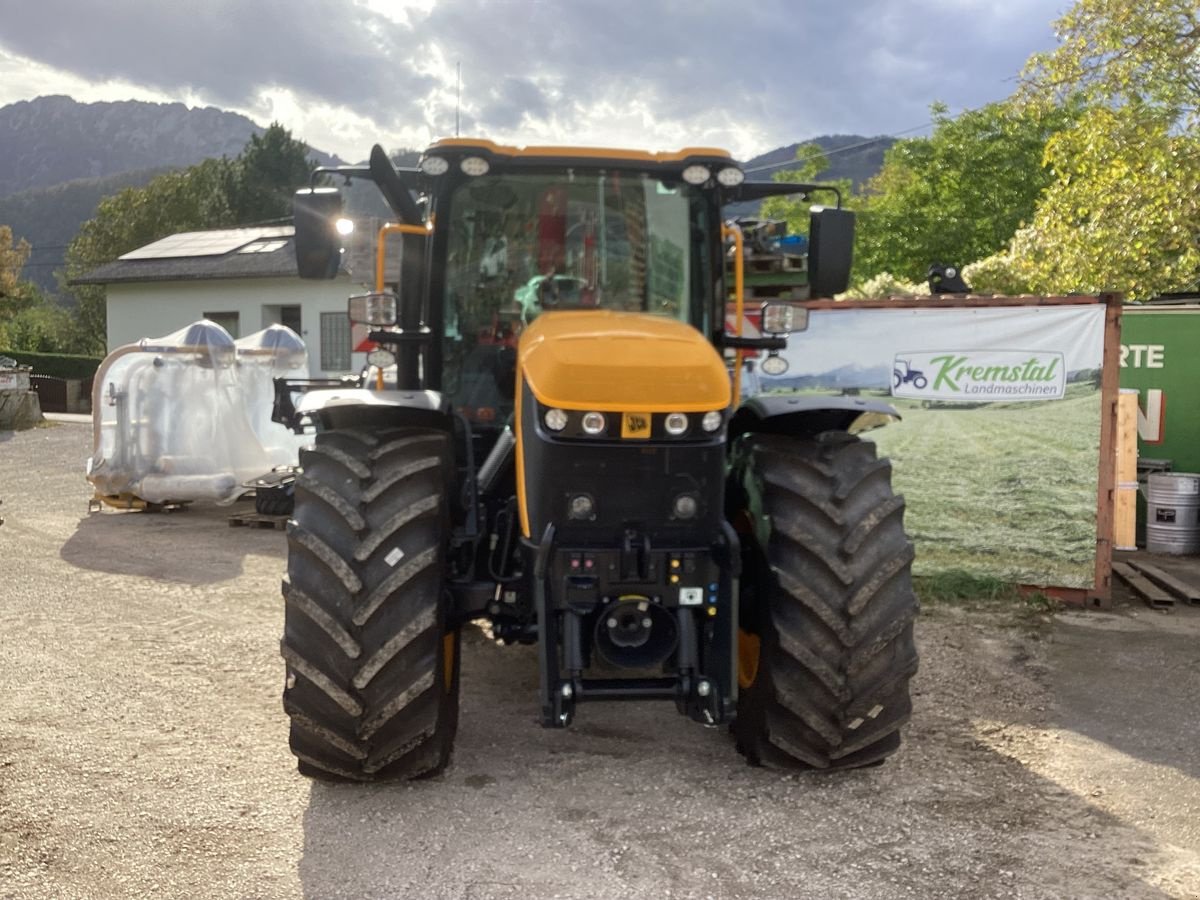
[549,295]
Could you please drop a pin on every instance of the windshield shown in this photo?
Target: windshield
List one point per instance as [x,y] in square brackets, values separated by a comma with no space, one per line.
[521,245]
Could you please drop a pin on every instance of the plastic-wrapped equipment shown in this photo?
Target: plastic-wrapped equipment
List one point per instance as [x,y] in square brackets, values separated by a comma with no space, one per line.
[187,417]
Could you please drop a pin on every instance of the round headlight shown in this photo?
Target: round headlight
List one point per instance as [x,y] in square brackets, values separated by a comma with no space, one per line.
[773,365]
[685,506]
[555,419]
[676,423]
[381,358]
[344,226]
[593,423]
[581,506]
[731,176]
[711,421]
[434,165]
[474,165]
[696,174]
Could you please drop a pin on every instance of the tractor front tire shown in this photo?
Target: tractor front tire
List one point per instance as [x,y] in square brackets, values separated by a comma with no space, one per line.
[826,649]
[372,666]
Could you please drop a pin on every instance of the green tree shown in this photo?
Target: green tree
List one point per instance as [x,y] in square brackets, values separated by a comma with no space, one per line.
[958,195]
[811,162]
[193,199]
[268,171]
[1138,52]
[1120,213]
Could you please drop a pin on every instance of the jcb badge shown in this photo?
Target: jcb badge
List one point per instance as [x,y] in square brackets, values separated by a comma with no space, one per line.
[635,425]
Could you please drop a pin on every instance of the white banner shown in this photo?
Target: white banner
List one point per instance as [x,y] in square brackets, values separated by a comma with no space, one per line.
[997,446]
[952,354]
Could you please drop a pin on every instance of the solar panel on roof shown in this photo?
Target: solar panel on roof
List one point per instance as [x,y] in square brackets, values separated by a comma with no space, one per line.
[205,243]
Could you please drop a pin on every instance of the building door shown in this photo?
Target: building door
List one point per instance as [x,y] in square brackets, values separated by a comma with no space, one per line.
[274,314]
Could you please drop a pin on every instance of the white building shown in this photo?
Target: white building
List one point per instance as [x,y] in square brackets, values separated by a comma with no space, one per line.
[242,278]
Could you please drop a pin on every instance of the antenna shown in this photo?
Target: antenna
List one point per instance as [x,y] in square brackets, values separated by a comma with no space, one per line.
[457,94]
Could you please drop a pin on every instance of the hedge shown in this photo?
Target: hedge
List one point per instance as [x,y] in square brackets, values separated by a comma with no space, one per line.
[60,365]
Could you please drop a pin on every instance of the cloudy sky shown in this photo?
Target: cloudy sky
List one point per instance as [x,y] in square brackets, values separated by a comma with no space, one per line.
[342,74]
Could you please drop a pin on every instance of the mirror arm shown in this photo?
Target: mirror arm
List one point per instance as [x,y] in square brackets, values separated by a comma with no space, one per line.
[736,342]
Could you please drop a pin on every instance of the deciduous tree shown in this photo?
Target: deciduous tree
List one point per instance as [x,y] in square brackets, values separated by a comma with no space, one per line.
[1121,212]
[958,195]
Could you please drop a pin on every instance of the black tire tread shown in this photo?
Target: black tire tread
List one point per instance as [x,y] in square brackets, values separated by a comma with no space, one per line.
[836,622]
[364,628]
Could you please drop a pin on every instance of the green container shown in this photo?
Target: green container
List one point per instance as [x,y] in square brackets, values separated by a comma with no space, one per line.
[1160,358]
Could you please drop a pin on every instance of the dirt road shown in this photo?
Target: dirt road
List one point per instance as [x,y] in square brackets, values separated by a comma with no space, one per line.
[143,751]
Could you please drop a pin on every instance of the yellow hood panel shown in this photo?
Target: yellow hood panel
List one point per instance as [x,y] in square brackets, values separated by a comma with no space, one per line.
[629,362]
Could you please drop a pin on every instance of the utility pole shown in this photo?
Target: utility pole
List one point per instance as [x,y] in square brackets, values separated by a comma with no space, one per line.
[457,93]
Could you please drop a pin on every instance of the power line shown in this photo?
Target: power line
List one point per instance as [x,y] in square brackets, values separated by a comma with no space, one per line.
[860,145]
[837,150]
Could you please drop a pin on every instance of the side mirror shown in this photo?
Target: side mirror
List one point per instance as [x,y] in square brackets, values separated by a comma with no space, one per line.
[315,212]
[830,251]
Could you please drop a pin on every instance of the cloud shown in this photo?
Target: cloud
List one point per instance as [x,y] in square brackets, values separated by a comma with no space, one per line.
[647,72]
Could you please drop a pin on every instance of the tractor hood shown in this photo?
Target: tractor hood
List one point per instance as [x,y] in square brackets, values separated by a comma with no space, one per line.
[634,362]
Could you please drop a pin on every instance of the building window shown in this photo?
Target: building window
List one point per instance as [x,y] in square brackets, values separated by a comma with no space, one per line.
[227,320]
[335,342]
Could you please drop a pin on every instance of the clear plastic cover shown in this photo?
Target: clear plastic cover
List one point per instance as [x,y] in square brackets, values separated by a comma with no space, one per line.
[187,416]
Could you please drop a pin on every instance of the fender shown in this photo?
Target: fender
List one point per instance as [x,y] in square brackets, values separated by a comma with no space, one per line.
[807,415]
[357,407]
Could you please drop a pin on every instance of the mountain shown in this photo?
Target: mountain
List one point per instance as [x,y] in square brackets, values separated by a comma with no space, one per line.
[50,140]
[850,156]
[62,157]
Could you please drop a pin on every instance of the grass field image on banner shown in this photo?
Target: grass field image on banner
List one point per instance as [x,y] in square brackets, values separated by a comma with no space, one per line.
[1005,489]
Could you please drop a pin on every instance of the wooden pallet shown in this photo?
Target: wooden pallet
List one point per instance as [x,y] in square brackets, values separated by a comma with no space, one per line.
[783,262]
[1177,586]
[1155,596]
[257,520]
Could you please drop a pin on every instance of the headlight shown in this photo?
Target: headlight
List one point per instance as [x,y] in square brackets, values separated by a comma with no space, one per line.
[685,506]
[474,166]
[778,318]
[381,358]
[711,421]
[581,506]
[676,423]
[593,423]
[696,174]
[434,165]
[731,176]
[555,419]
[373,309]
[773,365]
[344,226]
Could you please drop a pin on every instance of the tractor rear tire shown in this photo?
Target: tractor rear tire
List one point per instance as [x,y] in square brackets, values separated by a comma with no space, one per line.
[372,665]
[826,649]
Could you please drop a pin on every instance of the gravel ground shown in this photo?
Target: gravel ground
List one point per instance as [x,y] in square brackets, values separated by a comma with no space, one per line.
[143,750]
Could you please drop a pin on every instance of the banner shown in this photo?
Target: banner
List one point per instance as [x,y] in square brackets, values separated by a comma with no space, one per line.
[997,451]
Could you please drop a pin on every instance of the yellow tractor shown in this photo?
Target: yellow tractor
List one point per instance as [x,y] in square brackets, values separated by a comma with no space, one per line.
[552,438]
